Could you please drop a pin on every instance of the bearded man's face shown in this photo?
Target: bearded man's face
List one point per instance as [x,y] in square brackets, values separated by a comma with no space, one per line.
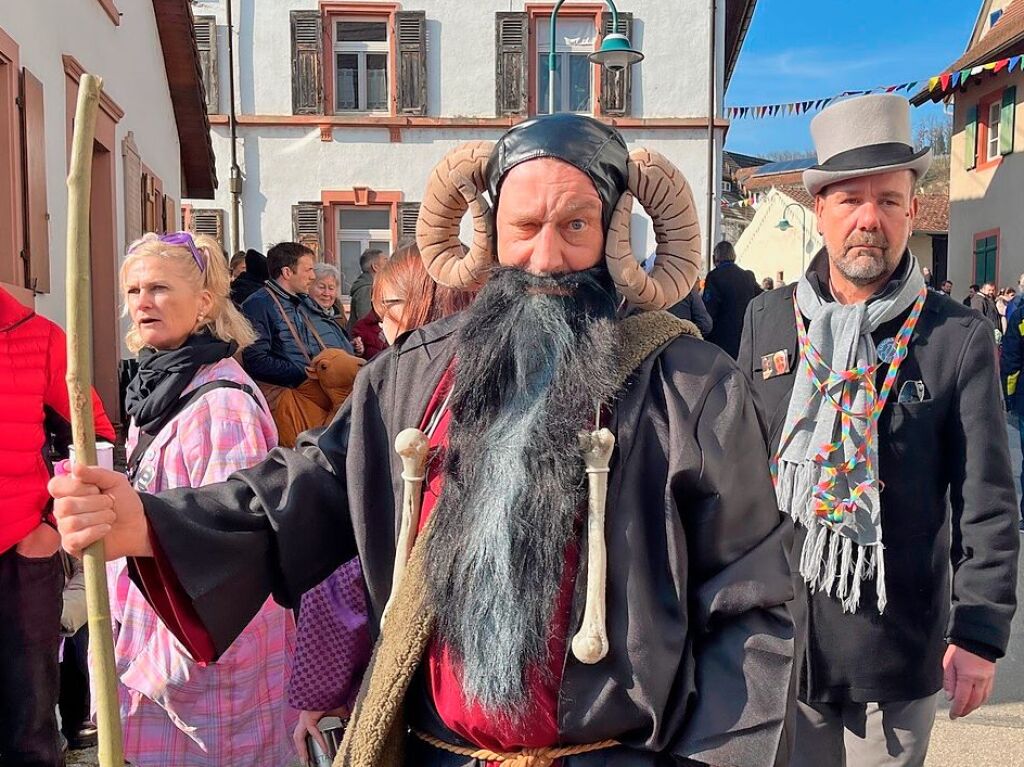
[549,219]
[866,223]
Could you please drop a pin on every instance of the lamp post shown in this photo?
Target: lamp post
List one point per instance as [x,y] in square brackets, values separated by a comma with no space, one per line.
[616,52]
[785,226]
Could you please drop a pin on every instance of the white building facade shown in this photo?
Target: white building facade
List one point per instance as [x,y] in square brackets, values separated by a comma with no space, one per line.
[151,146]
[343,108]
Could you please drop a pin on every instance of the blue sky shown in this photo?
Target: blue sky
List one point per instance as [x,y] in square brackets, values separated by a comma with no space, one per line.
[796,51]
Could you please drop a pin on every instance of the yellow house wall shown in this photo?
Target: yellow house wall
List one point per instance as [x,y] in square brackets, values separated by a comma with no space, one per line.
[987,199]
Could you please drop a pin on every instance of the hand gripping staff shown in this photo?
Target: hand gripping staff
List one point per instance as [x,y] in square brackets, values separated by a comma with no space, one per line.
[590,644]
[411,445]
[79,379]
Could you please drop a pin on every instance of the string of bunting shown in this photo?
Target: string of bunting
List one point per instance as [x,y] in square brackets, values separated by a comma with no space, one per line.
[943,83]
[750,201]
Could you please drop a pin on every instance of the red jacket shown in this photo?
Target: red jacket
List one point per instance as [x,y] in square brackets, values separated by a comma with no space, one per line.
[33,363]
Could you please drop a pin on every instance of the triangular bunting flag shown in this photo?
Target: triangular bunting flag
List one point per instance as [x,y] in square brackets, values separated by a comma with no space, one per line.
[911,86]
[1014,63]
[890,89]
[944,79]
[955,81]
[977,70]
[932,83]
[1001,65]
[965,75]
[989,67]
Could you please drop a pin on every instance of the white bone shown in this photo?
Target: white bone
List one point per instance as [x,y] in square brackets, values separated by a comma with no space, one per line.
[412,446]
[590,644]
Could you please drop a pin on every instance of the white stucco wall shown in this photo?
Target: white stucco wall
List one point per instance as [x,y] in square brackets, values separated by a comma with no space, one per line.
[766,250]
[129,59]
[286,164]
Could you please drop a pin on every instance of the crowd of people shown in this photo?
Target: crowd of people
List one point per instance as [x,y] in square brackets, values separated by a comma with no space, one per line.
[548,523]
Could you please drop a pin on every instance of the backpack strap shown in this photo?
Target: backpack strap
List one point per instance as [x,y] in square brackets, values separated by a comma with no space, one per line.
[291,327]
[147,435]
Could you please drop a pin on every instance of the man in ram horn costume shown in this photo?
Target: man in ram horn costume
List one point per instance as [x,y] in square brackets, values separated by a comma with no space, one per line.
[565,520]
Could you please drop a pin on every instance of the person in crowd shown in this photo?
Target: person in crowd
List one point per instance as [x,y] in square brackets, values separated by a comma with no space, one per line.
[74,702]
[196,417]
[1003,303]
[1011,365]
[692,308]
[484,646]
[369,334]
[946,288]
[972,291]
[236,267]
[33,393]
[360,293]
[325,306]
[984,302]
[250,280]
[333,614]
[767,284]
[728,289]
[909,591]
[926,273]
[288,334]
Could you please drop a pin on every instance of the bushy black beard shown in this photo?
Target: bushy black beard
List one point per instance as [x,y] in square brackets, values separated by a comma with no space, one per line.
[535,356]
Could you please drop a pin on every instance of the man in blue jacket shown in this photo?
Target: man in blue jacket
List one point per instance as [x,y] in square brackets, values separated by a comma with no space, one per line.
[1012,362]
[289,337]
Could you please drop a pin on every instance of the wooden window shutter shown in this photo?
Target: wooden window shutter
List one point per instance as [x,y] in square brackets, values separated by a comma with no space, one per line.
[208,221]
[412,62]
[617,87]
[1007,120]
[971,138]
[170,214]
[308,226]
[37,219]
[206,41]
[132,165]
[307,63]
[408,213]
[512,44]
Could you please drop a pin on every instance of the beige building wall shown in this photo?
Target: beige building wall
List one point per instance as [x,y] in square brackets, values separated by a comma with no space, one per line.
[766,250]
[921,246]
[987,199]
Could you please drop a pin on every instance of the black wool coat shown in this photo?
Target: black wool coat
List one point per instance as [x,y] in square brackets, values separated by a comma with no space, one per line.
[701,641]
[949,518]
[727,291]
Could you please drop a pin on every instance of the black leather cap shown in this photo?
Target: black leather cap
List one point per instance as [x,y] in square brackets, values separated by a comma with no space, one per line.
[595,148]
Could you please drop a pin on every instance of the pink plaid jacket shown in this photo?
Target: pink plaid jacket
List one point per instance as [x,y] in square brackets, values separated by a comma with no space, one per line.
[175,711]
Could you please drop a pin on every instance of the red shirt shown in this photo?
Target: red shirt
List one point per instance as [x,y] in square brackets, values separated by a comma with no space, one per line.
[443,673]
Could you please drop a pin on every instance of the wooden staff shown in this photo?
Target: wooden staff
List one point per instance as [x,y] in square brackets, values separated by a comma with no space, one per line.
[79,378]
[412,446]
[591,642]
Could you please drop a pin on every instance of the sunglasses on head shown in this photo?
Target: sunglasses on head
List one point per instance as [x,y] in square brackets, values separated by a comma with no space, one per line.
[183,239]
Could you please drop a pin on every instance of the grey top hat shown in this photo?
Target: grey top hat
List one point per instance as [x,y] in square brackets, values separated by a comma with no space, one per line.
[862,137]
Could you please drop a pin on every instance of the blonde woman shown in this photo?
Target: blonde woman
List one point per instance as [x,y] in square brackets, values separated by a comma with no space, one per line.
[196,417]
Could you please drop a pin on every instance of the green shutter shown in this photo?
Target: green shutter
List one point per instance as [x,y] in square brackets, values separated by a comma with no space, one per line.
[971,136]
[1006,120]
[985,256]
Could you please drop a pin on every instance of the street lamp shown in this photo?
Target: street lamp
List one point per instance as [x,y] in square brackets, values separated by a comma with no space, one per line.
[615,54]
[785,226]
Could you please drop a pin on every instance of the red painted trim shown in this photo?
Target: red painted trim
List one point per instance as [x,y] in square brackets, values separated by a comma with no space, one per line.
[111,10]
[981,161]
[360,196]
[577,10]
[470,123]
[333,11]
[12,267]
[74,69]
[997,233]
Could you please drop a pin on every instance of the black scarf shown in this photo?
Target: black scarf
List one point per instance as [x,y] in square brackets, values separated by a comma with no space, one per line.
[163,375]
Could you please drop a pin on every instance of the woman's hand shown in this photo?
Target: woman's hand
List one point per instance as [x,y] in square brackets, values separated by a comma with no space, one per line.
[91,504]
[358,346]
[308,721]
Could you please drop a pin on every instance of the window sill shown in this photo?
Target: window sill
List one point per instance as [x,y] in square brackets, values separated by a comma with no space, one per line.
[989,164]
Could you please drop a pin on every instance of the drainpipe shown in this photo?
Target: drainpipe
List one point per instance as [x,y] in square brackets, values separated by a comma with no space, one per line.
[712,110]
[235,181]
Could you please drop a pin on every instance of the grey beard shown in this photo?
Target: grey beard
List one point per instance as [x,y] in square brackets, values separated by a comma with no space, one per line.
[530,370]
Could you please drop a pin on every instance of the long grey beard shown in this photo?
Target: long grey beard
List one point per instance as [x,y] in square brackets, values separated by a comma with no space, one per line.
[530,370]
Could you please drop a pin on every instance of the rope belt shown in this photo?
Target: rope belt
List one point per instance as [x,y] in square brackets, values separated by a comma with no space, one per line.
[528,757]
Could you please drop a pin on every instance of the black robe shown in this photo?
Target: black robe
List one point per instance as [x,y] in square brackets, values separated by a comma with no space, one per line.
[701,639]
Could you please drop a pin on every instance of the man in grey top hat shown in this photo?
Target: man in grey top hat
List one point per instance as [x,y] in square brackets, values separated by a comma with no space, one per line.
[878,394]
